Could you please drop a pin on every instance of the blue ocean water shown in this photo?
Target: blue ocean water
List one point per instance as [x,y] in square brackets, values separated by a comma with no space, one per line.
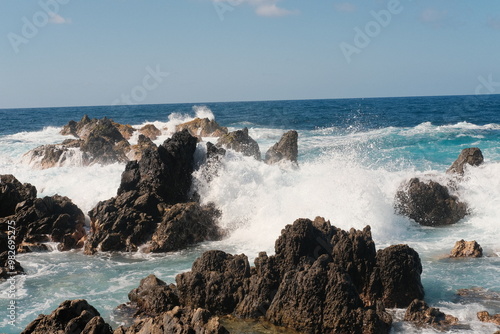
[353,155]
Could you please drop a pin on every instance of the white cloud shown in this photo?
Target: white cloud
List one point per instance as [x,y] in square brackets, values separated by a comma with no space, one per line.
[345,7]
[267,8]
[58,19]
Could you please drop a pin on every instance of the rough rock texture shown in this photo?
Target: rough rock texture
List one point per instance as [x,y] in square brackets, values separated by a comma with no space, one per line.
[203,127]
[469,156]
[40,220]
[125,129]
[143,144]
[422,315]
[179,321]
[9,267]
[484,316]
[185,224]
[321,280]
[285,149]
[429,204]
[153,297]
[152,203]
[466,249]
[150,131]
[240,141]
[400,270]
[99,141]
[72,316]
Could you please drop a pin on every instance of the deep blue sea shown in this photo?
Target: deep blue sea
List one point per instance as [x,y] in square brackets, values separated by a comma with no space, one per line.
[353,156]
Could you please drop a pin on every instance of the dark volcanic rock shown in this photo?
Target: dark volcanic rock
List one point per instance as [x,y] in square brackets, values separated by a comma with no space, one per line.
[203,127]
[285,149]
[151,204]
[422,315]
[400,270]
[215,282]
[469,156]
[185,224]
[143,144]
[240,141]
[153,297]
[466,249]
[429,204]
[39,220]
[9,267]
[179,321]
[72,316]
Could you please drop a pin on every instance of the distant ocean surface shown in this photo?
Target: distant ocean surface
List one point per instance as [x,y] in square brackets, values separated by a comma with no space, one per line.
[353,155]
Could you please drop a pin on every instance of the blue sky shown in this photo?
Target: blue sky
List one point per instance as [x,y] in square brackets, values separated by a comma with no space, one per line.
[102,52]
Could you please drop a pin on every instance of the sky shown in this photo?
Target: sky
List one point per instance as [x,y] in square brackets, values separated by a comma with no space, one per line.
[56,53]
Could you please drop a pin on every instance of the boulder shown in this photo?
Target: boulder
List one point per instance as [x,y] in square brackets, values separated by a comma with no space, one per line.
[466,249]
[203,127]
[150,131]
[179,320]
[216,282]
[185,224]
[40,220]
[285,149]
[240,141]
[399,269]
[72,316]
[429,203]
[152,204]
[422,315]
[57,155]
[153,297]
[469,156]
[484,316]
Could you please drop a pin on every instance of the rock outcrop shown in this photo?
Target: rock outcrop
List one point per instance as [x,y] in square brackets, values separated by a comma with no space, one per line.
[143,144]
[150,131]
[429,203]
[153,204]
[39,220]
[203,127]
[321,280]
[153,297]
[285,149]
[240,141]
[422,316]
[466,249]
[485,316]
[72,316]
[98,141]
[469,156]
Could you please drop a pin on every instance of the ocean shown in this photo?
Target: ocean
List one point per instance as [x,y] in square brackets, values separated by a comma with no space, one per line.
[353,156]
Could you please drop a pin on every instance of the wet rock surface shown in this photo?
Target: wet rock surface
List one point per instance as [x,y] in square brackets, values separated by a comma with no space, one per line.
[464,248]
[469,156]
[285,149]
[485,316]
[429,203]
[203,127]
[150,131]
[422,315]
[240,141]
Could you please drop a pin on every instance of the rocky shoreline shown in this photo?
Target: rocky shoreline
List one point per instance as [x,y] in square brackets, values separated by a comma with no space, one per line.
[321,279]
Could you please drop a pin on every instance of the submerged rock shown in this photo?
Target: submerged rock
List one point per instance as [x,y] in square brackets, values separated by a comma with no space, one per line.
[39,220]
[285,149]
[422,315]
[466,249]
[469,156]
[72,316]
[203,127]
[484,316]
[429,203]
[240,141]
[153,204]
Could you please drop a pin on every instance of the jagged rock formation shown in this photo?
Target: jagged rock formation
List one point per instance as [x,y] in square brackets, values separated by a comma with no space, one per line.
[285,149]
[240,141]
[466,249]
[422,315]
[150,131]
[153,204]
[203,127]
[143,144]
[39,220]
[485,316]
[429,203]
[469,156]
[72,316]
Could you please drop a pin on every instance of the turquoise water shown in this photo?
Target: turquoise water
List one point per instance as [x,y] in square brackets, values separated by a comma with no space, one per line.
[353,155]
